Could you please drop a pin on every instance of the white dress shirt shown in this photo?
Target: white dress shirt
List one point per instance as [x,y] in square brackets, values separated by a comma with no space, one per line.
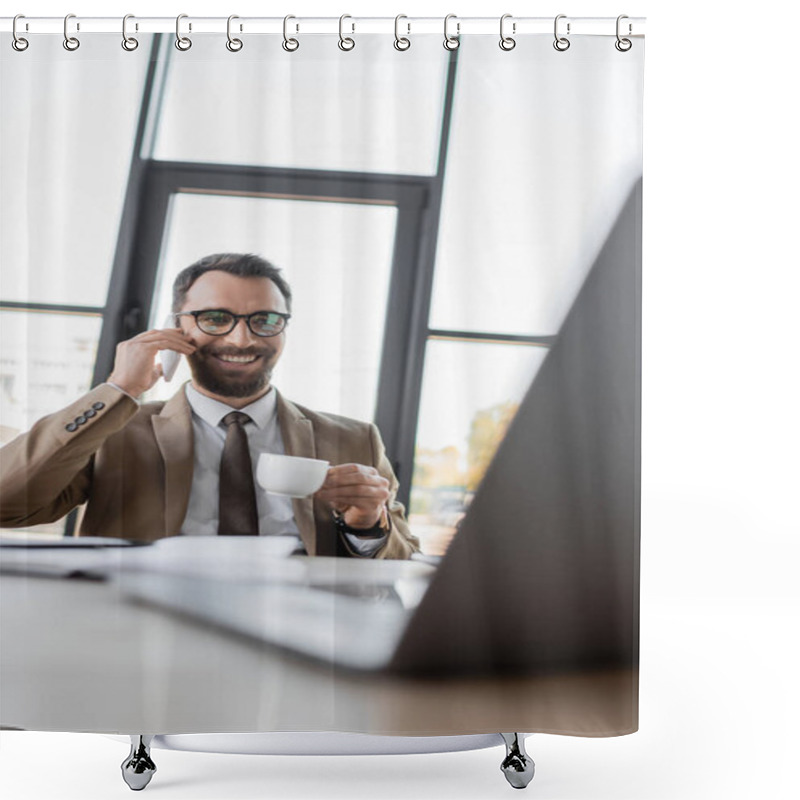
[275,512]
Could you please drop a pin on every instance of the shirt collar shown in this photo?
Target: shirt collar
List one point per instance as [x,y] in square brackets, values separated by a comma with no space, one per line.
[262,411]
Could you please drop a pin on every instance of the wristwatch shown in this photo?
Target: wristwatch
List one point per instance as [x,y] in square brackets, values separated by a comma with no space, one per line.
[380,529]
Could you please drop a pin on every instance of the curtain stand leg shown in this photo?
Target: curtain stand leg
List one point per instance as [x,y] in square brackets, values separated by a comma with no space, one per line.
[138,768]
[517,766]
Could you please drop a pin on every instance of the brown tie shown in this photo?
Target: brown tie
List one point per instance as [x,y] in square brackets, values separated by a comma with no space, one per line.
[238,513]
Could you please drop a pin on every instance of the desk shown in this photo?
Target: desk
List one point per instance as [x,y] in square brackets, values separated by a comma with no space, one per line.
[76,655]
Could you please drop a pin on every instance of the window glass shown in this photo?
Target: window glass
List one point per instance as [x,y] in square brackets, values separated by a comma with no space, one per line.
[470,392]
[372,109]
[46,362]
[517,238]
[337,259]
[62,191]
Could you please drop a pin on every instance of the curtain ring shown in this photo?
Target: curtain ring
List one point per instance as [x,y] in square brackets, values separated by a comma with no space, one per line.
[451,42]
[183,43]
[401,42]
[129,43]
[234,45]
[623,45]
[18,42]
[561,43]
[345,42]
[289,45]
[507,42]
[70,42]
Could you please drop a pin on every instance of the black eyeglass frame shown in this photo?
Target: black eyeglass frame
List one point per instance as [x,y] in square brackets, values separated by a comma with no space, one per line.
[236,318]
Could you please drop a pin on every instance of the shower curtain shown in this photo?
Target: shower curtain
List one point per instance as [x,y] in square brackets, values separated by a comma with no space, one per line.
[460,227]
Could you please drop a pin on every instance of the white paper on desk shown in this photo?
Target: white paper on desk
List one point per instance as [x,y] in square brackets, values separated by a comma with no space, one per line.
[39,559]
[223,557]
[226,558]
[36,541]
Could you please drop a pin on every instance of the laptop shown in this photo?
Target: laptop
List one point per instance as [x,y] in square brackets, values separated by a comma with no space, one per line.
[543,573]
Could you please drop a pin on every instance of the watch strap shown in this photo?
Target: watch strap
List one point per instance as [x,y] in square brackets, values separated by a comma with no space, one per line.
[381,528]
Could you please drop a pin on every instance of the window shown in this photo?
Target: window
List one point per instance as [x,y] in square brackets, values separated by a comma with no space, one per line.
[340,290]
[57,248]
[370,110]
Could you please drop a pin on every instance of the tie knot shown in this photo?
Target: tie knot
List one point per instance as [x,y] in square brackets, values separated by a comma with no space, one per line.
[235,417]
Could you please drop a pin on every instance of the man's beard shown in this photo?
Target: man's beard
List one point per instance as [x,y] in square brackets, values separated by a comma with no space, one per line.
[211,377]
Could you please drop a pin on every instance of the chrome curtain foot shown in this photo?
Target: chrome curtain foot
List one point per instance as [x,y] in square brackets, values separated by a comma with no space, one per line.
[517,766]
[138,768]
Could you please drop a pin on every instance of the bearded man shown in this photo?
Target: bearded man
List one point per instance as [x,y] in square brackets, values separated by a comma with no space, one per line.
[186,467]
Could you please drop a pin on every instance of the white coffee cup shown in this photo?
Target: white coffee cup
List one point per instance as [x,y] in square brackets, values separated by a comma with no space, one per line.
[291,475]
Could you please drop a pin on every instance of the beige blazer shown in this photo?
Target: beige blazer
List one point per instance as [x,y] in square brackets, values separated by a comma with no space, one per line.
[132,465]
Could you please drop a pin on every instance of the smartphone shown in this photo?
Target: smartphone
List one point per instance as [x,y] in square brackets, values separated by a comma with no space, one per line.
[169,358]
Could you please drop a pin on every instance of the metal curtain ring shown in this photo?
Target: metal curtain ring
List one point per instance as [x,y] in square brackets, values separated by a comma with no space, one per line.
[128,42]
[507,42]
[234,45]
[182,42]
[289,45]
[345,42]
[451,42]
[70,42]
[623,45]
[561,43]
[401,42]
[18,42]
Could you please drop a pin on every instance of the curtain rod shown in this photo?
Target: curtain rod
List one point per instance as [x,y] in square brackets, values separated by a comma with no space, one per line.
[631,26]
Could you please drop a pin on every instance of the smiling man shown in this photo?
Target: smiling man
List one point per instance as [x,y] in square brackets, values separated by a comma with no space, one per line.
[150,470]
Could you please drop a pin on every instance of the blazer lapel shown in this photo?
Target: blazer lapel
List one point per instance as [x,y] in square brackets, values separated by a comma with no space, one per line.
[175,437]
[298,440]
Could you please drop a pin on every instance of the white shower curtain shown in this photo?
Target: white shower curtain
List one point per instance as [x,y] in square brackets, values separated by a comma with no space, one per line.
[461,230]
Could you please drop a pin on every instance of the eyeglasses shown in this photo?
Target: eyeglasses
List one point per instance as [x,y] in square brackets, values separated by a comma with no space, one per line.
[219,321]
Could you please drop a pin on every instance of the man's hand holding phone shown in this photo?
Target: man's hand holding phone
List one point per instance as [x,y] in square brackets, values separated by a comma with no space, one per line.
[135,367]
